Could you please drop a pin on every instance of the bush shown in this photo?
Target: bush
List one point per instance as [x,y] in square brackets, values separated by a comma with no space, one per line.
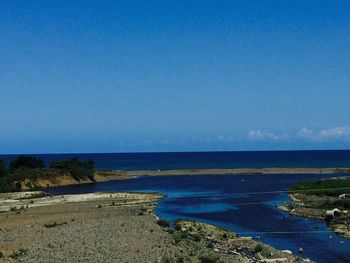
[24,161]
[180,259]
[210,245]
[6,184]
[54,224]
[208,259]
[20,252]
[342,203]
[3,169]
[196,238]
[77,168]
[163,223]
[258,248]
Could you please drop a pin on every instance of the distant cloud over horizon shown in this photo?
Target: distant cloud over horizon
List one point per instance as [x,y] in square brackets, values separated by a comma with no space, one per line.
[330,134]
[258,135]
[338,133]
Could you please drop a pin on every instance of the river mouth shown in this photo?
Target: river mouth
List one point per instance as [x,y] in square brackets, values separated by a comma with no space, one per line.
[245,204]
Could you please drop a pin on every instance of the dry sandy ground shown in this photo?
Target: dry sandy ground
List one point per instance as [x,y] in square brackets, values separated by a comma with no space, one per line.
[102,176]
[118,229]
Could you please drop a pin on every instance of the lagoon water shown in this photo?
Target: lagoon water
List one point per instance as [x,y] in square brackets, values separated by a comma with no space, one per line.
[245,204]
[239,203]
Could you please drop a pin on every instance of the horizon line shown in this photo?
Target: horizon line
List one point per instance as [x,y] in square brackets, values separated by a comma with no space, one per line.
[155,152]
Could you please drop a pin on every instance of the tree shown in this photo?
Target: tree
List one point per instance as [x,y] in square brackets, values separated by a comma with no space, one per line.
[3,169]
[77,168]
[24,161]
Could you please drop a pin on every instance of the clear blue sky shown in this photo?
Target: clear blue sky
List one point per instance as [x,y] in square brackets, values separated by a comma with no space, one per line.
[116,76]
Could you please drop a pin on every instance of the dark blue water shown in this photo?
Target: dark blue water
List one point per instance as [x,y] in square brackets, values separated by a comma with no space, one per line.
[193,160]
[237,203]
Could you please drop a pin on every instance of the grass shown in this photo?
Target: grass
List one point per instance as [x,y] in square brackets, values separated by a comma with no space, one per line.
[322,187]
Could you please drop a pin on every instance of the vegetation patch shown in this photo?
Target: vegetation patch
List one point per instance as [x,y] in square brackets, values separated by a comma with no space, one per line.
[208,259]
[18,253]
[78,169]
[258,248]
[54,224]
[329,187]
[163,223]
[27,169]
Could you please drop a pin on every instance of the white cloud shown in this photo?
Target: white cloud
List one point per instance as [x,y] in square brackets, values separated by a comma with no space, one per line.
[330,134]
[258,135]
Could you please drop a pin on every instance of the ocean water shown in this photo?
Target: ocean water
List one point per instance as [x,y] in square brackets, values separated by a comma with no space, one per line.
[245,204]
[196,160]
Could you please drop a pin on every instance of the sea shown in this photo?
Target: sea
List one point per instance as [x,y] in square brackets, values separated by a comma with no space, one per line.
[246,204]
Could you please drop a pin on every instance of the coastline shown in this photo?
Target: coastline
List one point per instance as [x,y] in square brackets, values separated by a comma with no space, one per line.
[106,227]
[308,206]
[111,175]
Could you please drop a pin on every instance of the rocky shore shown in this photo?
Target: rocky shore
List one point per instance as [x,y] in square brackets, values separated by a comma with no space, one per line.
[311,206]
[115,227]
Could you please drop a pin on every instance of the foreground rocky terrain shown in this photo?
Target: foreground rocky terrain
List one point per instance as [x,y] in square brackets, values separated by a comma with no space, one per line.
[118,227]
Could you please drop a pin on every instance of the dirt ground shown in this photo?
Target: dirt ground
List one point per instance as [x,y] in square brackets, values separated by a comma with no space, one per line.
[118,229]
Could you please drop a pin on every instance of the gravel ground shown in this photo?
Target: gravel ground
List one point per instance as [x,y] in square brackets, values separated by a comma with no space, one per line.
[113,230]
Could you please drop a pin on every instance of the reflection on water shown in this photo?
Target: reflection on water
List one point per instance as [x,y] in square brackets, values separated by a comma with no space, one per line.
[240,203]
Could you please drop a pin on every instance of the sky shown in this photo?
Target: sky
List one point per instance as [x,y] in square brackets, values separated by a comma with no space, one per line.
[138,76]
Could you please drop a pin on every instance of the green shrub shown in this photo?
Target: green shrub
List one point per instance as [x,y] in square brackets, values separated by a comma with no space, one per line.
[177,227]
[78,169]
[208,259]
[322,187]
[163,223]
[3,168]
[20,252]
[167,259]
[258,248]
[180,259]
[54,224]
[210,245]
[25,161]
[1,254]
[196,238]
[6,184]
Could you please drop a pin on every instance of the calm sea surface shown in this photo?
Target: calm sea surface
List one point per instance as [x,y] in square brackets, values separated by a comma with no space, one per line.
[245,204]
[189,160]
